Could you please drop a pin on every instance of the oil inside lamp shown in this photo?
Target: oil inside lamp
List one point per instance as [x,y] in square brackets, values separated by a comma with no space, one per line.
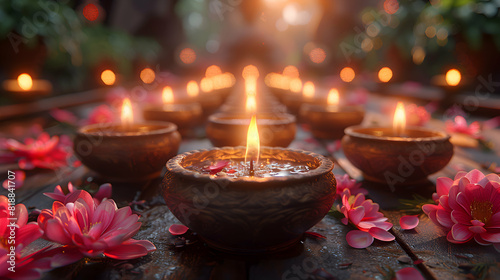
[25,82]
[253,145]
[333,100]
[308,90]
[399,121]
[192,89]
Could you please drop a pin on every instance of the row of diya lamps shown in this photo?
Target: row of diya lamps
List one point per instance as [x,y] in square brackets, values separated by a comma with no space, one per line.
[254,199]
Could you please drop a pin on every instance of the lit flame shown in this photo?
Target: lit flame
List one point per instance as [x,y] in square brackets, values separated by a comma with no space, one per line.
[25,82]
[385,74]
[453,77]
[251,87]
[333,97]
[251,103]
[192,89]
[399,123]
[253,142]
[291,71]
[127,114]
[250,72]
[167,95]
[108,77]
[296,85]
[207,84]
[308,90]
[213,70]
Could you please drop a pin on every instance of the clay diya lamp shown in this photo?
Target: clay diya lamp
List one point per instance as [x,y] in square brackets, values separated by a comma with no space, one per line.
[329,121]
[397,156]
[184,115]
[229,129]
[127,151]
[294,101]
[27,89]
[243,204]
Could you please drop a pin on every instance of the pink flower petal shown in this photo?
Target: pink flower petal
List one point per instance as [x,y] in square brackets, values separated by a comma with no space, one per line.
[177,229]
[17,182]
[461,233]
[477,229]
[104,191]
[381,234]
[217,167]
[359,239]
[409,273]
[126,252]
[409,222]
[356,214]
[491,237]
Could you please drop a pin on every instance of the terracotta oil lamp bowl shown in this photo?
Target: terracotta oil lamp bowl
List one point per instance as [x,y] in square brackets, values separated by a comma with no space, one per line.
[329,122]
[230,129]
[385,157]
[185,116]
[249,215]
[127,153]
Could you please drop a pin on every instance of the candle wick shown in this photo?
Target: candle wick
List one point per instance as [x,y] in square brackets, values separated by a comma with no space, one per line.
[252,173]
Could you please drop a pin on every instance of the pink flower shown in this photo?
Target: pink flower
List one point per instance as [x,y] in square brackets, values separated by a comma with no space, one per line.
[470,209]
[104,191]
[43,152]
[101,114]
[24,233]
[459,125]
[345,182]
[363,214]
[63,116]
[94,230]
[416,115]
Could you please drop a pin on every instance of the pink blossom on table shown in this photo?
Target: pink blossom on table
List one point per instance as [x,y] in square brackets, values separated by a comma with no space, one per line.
[18,181]
[416,115]
[363,214]
[345,182]
[26,266]
[470,209]
[177,229]
[43,152]
[94,230]
[409,273]
[104,191]
[100,114]
[459,125]
[409,222]
[64,116]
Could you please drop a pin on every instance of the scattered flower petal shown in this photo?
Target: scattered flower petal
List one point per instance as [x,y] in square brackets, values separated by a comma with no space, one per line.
[359,239]
[409,222]
[217,167]
[177,229]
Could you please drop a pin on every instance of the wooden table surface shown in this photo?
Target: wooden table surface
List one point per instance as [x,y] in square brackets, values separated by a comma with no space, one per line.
[330,258]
